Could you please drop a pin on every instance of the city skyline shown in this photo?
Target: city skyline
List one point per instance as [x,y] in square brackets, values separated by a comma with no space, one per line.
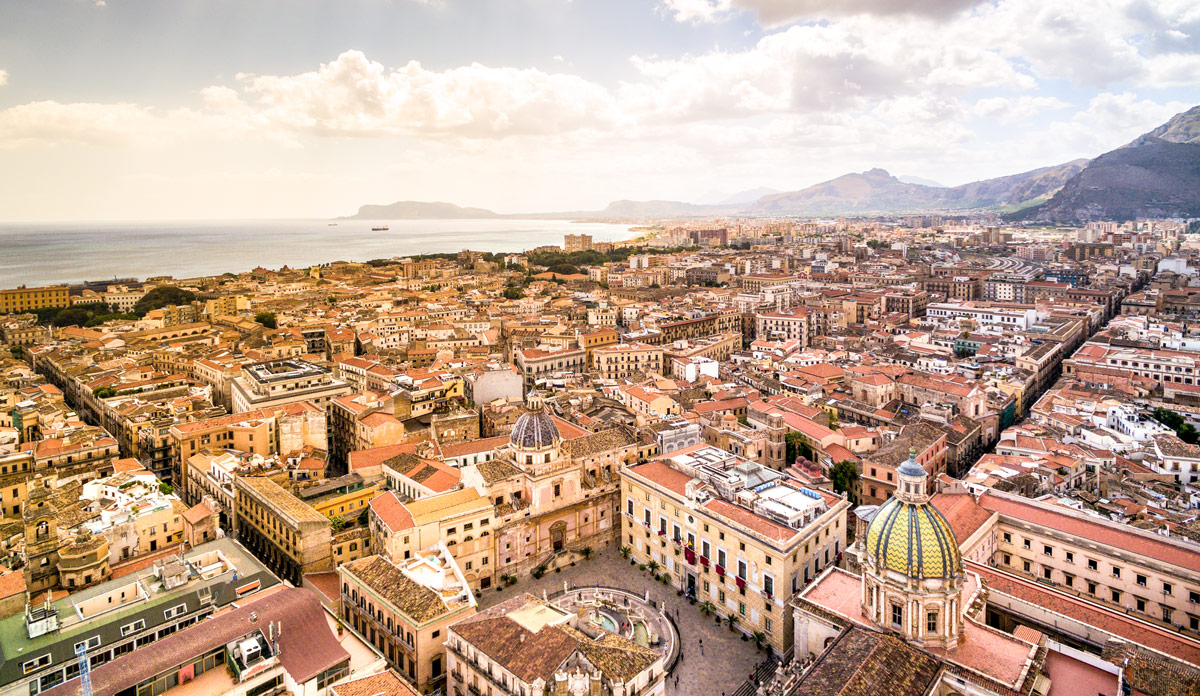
[125,110]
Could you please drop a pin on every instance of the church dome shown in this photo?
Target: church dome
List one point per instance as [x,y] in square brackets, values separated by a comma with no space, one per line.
[535,429]
[913,539]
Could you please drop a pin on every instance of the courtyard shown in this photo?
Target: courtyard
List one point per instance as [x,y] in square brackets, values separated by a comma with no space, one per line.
[726,660]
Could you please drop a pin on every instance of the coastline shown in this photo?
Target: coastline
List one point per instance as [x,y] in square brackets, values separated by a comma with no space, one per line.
[71,253]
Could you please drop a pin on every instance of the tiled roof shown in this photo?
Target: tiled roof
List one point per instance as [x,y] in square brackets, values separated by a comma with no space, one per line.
[307,646]
[962,512]
[391,512]
[1101,532]
[662,474]
[411,598]
[385,683]
[860,662]
[1174,644]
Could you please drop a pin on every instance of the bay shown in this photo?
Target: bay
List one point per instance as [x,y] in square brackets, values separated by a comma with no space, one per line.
[49,253]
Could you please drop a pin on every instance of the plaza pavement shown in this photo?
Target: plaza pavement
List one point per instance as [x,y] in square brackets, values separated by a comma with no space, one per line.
[727,660]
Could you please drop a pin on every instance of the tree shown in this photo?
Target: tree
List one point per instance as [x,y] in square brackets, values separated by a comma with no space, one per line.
[512,292]
[1185,430]
[653,566]
[104,392]
[267,319]
[796,447]
[337,523]
[166,488]
[844,476]
[162,296]
[73,316]
[706,607]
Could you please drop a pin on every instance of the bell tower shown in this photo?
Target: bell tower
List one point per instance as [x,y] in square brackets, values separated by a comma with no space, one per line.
[41,536]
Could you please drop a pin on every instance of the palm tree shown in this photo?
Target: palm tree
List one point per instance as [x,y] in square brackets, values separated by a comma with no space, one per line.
[587,552]
[759,639]
[707,607]
[626,551]
[653,566]
[731,620]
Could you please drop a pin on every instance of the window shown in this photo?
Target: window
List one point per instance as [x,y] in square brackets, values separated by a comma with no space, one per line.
[36,664]
[1194,597]
[175,611]
[1116,572]
[741,569]
[1047,550]
[629,506]
[897,616]
[1025,564]
[132,628]
[1141,580]
[721,559]
[742,608]
[1091,587]
[767,625]
[931,622]
[1092,565]
[91,643]
[1166,588]
[557,490]
[1007,538]
[1026,543]
[1047,573]
[1070,557]
[1069,579]
[769,585]
[1141,604]
[1167,614]
[1007,559]
[1116,595]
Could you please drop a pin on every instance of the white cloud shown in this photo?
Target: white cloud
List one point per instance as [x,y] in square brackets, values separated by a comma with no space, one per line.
[356,96]
[1012,109]
[777,12]
[3,77]
[698,10]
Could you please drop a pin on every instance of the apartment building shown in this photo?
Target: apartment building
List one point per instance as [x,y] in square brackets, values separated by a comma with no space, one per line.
[792,324]
[405,609]
[282,382]
[288,535]
[626,359]
[462,520]
[732,532]
[264,432]
[535,363]
[24,299]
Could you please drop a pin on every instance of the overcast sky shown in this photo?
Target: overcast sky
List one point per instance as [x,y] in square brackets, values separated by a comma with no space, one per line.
[173,109]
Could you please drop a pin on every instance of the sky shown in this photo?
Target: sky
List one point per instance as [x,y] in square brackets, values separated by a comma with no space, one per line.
[187,109]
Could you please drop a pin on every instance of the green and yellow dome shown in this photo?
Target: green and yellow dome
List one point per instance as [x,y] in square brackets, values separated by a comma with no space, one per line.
[914,539]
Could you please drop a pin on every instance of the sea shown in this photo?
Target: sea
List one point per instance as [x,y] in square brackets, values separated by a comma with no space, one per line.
[52,253]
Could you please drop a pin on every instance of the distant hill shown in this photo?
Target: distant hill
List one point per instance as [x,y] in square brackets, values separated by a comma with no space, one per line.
[745,197]
[877,192]
[1156,175]
[653,209]
[910,179]
[417,210]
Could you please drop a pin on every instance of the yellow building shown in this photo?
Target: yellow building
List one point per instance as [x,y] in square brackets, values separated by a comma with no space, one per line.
[289,536]
[462,520]
[24,299]
[731,533]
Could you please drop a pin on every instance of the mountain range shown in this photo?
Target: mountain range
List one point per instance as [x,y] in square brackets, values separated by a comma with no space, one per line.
[1156,175]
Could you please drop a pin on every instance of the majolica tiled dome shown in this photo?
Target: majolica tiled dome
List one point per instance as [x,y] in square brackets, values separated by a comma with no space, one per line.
[913,539]
[535,429]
